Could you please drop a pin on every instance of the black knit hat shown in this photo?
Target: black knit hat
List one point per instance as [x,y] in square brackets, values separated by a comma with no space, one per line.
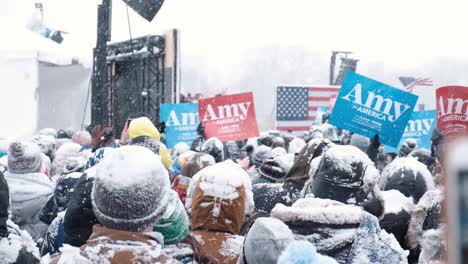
[345,174]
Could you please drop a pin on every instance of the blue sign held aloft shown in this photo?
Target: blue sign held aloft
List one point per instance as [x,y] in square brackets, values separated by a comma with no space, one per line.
[419,128]
[181,123]
[368,107]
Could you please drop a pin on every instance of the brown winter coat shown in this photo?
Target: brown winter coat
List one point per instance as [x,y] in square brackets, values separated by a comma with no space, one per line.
[214,236]
[127,248]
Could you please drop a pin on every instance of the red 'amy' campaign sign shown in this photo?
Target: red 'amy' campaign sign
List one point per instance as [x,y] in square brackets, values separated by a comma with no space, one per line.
[229,117]
[452,110]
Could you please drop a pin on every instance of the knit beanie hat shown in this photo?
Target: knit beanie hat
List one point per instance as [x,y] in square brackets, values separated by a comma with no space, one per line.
[360,142]
[345,174]
[261,154]
[24,157]
[196,163]
[276,168]
[143,126]
[131,189]
[74,164]
[265,241]
[173,225]
[82,137]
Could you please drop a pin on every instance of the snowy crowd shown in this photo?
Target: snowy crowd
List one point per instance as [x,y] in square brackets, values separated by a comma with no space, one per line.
[329,196]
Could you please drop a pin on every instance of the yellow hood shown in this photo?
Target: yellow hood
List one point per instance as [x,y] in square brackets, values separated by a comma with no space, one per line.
[142,126]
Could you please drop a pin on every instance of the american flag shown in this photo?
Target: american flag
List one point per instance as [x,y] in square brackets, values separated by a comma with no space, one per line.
[296,107]
[410,82]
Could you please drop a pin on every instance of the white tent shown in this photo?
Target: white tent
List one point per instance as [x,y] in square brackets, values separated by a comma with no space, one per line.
[42,85]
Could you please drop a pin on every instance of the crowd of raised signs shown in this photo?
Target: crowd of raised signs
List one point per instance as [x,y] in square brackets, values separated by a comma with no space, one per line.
[327,197]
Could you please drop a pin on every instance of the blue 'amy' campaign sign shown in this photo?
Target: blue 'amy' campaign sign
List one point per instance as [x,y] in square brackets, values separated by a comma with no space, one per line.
[419,128]
[368,107]
[181,123]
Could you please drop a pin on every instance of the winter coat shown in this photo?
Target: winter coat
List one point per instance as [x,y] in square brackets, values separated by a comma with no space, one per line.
[53,239]
[29,193]
[59,201]
[119,247]
[18,247]
[407,175]
[344,232]
[217,221]
[156,146]
[397,215]
[79,217]
[267,195]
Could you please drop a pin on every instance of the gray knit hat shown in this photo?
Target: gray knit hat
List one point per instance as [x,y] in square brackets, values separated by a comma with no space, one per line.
[131,189]
[24,157]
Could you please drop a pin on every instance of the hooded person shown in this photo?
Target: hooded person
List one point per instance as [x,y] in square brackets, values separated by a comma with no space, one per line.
[274,169]
[79,217]
[125,219]
[65,151]
[219,198]
[215,148]
[407,175]
[302,251]
[265,241]
[191,166]
[346,174]
[16,245]
[64,187]
[29,188]
[345,232]
[267,195]
[142,132]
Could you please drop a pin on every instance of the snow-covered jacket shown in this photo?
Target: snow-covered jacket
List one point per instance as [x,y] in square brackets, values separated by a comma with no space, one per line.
[28,194]
[219,198]
[344,232]
[18,246]
[116,246]
[59,201]
[267,195]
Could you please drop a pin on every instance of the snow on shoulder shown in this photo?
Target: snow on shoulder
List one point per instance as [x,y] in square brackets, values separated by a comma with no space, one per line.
[324,211]
[396,202]
[220,181]
[406,164]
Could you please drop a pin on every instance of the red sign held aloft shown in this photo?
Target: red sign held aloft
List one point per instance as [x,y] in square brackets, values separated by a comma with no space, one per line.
[229,117]
[452,110]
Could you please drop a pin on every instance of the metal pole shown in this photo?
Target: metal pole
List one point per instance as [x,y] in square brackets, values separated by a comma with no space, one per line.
[99,92]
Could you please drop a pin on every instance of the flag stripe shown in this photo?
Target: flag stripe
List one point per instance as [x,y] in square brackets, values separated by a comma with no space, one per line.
[290,104]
